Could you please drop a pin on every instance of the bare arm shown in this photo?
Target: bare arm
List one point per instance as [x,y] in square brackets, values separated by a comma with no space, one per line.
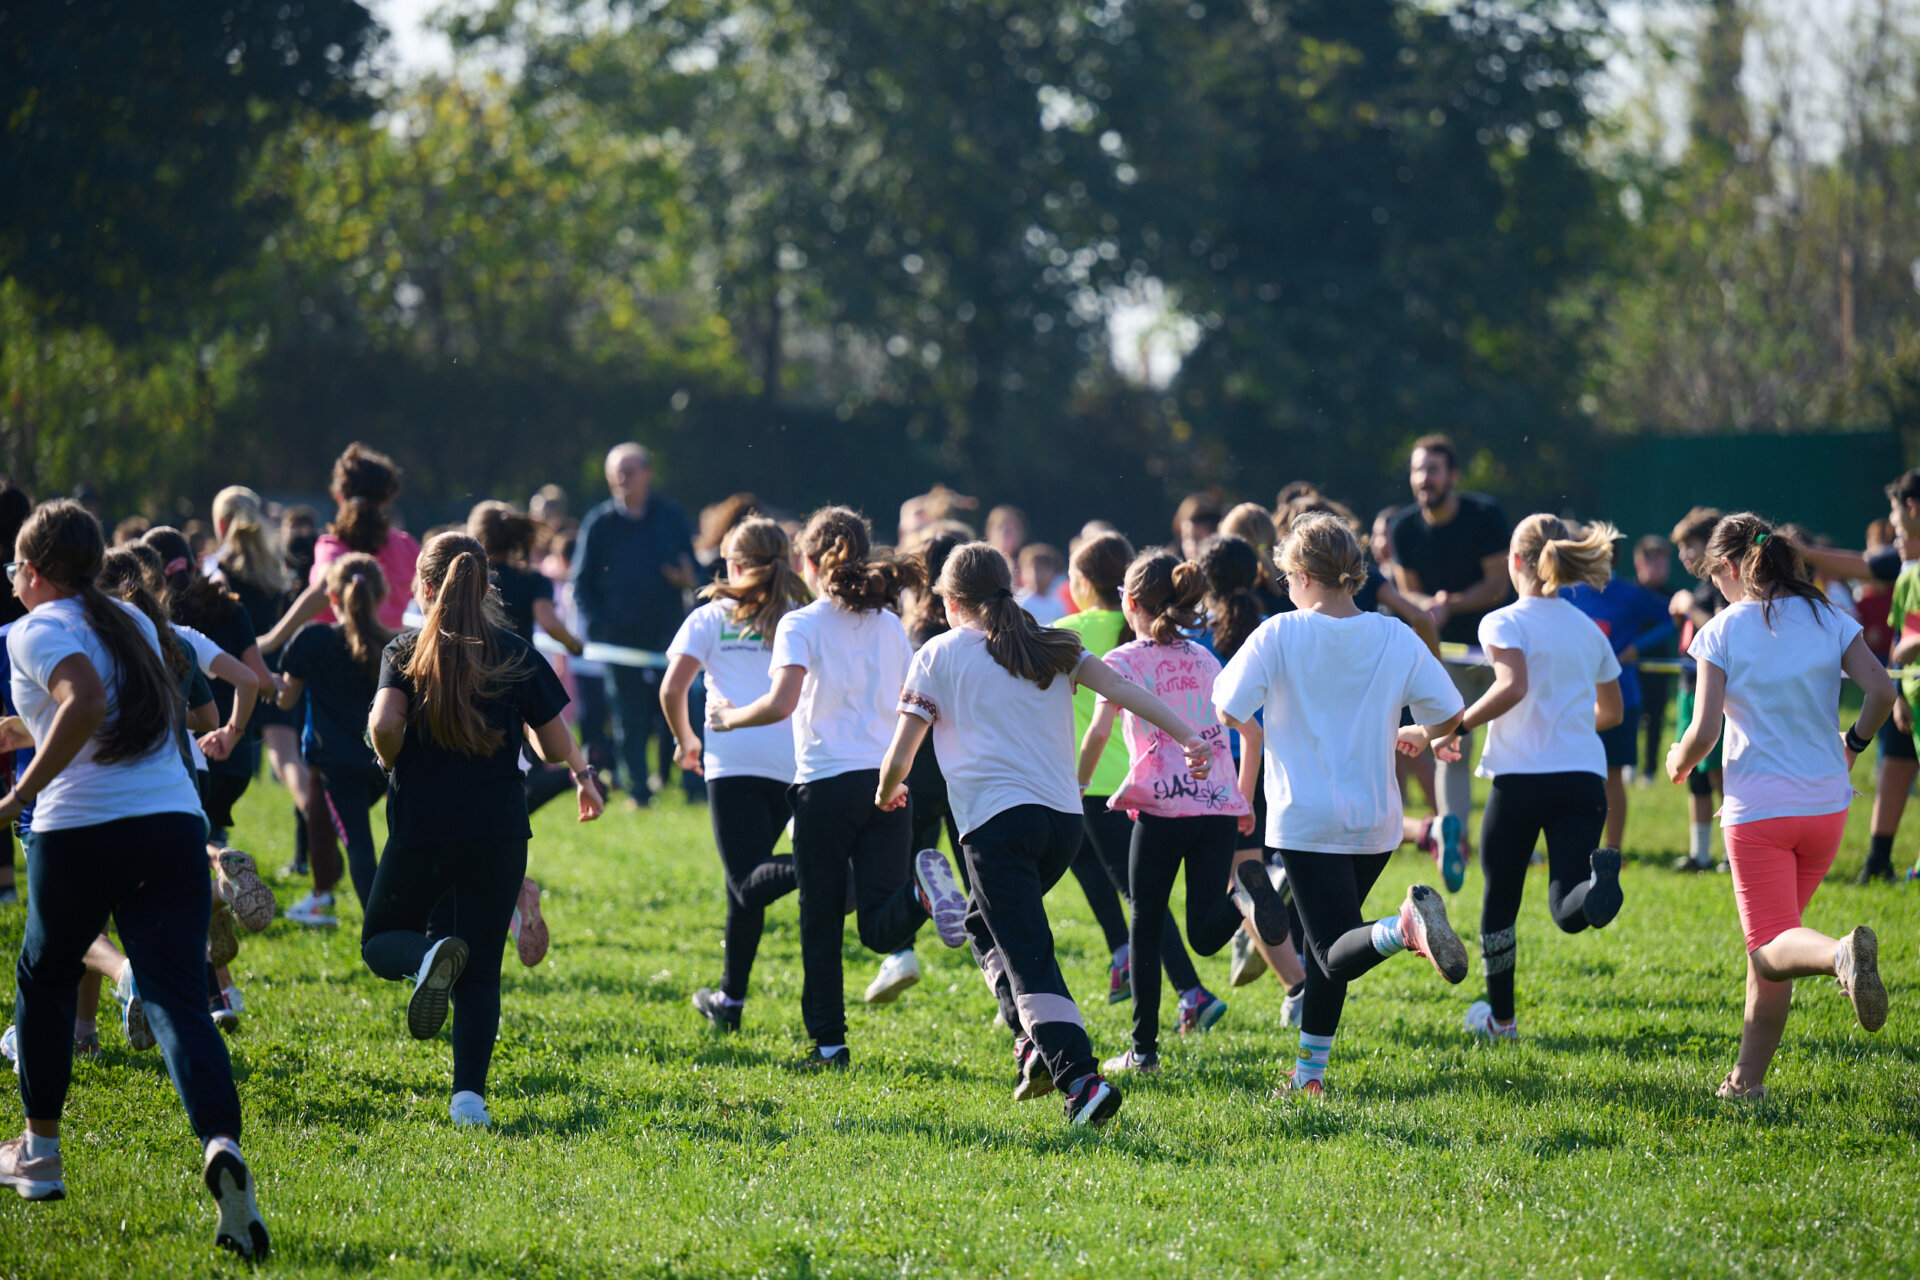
[554,743]
[82,708]
[1409,584]
[1509,687]
[1850,565]
[387,725]
[303,610]
[204,718]
[1608,710]
[681,670]
[1109,684]
[771,707]
[1252,742]
[219,744]
[1876,686]
[547,618]
[909,731]
[1485,594]
[1094,745]
[287,692]
[1413,615]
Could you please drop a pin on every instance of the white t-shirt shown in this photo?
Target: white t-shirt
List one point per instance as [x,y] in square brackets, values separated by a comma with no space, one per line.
[1002,741]
[1332,690]
[1783,753]
[736,662]
[1551,729]
[87,793]
[856,663]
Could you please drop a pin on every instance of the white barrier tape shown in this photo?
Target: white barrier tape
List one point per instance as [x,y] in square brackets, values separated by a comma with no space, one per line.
[1464,655]
[618,655]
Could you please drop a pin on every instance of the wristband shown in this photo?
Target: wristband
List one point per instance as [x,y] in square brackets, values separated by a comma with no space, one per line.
[1856,743]
[586,775]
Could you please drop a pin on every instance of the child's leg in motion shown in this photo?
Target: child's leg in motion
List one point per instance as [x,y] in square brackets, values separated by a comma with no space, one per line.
[748,816]
[1102,898]
[1111,831]
[1283,959]
[1152,863]
[1329,889]
[1212,915]
[823,832]
[1509,829]
[1583,885]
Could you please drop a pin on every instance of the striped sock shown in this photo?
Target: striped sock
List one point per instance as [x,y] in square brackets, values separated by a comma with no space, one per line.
[1387,936]
[1311,1064]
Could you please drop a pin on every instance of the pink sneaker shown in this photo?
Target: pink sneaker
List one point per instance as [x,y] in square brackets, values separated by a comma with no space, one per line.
[529,927]
[41,1179]
[1423,924]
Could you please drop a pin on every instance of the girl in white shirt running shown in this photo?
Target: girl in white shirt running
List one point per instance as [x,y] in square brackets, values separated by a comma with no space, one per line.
[1556,685]
[837,668]
[1771,662]
[1332,681]
[996,692]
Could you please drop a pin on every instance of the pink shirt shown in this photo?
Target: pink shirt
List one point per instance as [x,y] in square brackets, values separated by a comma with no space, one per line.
[1180,675]
[396,559]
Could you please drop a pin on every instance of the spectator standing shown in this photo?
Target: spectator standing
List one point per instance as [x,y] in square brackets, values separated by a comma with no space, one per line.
[633,562]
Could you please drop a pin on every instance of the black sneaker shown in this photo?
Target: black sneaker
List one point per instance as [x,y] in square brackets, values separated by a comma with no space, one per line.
[1091,1100]
[1881,871]
[723,1016]
[1603,899]
[1259,903]
[1686,864]
[439,969]
[818,1061]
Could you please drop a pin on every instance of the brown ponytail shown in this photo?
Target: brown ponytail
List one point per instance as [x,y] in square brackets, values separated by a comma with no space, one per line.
[767,586]
[1169,591]
[1322,546]
[361,584]
[977,578]
[66,545]
[1558,557]
[365,481]
[506,535]
[854,574]
[1101,561]
[135,580]
[1770,564]
[926,615]
[455,661]
[1232,570]
[192,598]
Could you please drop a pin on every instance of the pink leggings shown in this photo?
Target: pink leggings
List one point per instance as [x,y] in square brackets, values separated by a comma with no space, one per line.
[1777,864]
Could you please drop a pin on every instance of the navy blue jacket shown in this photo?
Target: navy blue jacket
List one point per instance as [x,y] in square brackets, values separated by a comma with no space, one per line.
[623,596]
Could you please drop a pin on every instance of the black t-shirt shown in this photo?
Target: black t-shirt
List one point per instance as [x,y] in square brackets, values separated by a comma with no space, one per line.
[1447,557]
[339,695]
[520,589]
[439,795]
[234,635]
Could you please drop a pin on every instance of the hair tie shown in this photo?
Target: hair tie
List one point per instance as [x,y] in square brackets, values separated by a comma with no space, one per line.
[1760,541]
[176,565]
[1002,594]
[358,577]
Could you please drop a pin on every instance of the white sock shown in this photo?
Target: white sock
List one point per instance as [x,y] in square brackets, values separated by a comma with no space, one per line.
[830,1050]
[227,1145]
[1700,842]
[38,1148]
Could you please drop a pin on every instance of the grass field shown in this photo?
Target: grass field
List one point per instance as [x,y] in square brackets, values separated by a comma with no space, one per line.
[628,1140]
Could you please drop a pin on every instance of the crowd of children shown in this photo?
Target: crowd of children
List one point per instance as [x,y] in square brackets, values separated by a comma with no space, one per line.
[1253,704]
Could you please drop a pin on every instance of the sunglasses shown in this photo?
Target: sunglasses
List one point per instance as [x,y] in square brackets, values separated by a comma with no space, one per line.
[13,570]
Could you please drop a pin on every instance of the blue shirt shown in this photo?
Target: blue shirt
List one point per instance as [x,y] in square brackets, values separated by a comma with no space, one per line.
[618,584]
[1631,617]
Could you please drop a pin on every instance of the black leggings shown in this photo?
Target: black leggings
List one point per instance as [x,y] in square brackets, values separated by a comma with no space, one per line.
[1161,846]
[1110,835]
[1571,810]
[1329,890]
[223,791]
[1015,857]
[482,880]
[932,812]
[749,815]
[837,831]
[345,798]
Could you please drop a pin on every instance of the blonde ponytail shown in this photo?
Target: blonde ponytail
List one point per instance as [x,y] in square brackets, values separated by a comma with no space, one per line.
[1556,557]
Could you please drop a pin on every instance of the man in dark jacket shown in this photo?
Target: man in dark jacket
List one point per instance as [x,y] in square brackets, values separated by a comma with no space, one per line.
[633,562]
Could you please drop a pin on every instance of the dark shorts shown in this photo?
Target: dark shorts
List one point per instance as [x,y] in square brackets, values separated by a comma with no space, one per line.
[1621,740]
[1895,745]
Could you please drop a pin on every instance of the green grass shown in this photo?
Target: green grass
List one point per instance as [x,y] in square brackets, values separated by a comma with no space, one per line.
[630,1141]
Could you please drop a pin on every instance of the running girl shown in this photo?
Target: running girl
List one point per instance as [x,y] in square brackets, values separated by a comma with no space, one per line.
[1178,821]
[1556,685]
[118,831]
[837,669]
[335,668]
[748,771]
[1772,661]
[455,701]
[1331,681]
[365,483]
[997,694]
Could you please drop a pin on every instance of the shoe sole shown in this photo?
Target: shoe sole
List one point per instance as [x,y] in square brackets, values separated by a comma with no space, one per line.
[1101,1110]
[1453,864]
[222,943]
[891,992]
[1440,944]
[533,939]
[240,1229]
[226,1020]
[427,1006]
[140,1036]
[245,892]
[1035,1084]
[35,1189]
[1247,969]
[1868,993]
[949,906]
[1269,913]
[1604,897]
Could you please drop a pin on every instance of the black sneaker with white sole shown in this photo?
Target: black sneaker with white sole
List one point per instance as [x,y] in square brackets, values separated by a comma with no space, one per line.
[1260,903]
[230,1183]
[1091,1100]
[440,968]
[714,1007]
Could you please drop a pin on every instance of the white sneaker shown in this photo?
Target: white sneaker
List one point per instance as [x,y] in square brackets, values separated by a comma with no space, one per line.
[1480,1022]
[133,1013]
[1292,1007]
[469,1109]
[1248,963]
[10,1047]
[897,972]
[316,909]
